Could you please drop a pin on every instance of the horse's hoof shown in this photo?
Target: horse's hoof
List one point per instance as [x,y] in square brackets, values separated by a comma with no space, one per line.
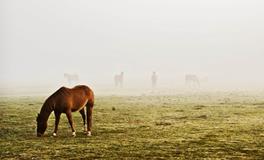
[73,134]
[54,135]
[89,133]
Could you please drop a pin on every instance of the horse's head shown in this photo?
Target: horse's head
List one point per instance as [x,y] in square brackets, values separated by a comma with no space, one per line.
[41,126]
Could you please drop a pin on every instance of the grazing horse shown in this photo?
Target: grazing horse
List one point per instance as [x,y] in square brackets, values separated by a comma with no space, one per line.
[66,100]
[192,80]
[119,79]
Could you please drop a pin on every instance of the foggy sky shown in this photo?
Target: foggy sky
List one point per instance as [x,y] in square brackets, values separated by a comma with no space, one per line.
[220,40]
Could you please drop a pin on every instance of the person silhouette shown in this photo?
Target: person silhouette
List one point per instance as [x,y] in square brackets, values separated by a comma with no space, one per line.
[154,79]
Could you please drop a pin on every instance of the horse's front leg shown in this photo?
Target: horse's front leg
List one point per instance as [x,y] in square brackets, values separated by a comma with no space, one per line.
[69,116]
[57,120]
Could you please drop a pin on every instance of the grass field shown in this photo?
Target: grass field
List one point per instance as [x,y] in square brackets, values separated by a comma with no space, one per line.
[217,126]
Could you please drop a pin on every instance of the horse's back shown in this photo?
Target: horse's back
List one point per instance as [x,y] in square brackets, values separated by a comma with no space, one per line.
[80,90]
[73,98]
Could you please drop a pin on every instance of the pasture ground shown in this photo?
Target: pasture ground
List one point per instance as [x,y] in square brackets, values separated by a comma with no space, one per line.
[213,126]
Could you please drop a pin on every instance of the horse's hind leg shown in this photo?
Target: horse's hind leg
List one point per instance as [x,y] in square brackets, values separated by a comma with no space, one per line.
[89,112]
[69,116]
[83,117]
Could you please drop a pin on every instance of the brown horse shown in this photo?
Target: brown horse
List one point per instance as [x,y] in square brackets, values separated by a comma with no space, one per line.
[66,100]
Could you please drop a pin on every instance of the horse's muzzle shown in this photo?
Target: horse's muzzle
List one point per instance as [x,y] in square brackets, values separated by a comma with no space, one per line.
[39,134]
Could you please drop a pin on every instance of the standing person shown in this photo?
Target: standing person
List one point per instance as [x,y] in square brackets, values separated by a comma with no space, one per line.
[121,79]
[154,79]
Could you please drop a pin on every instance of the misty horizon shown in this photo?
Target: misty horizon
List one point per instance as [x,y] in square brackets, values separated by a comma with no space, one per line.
[221,42]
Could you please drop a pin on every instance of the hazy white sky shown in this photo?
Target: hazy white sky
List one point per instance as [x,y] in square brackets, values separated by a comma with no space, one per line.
[222,40]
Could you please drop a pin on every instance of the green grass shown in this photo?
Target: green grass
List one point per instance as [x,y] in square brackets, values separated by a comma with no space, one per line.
[226,126]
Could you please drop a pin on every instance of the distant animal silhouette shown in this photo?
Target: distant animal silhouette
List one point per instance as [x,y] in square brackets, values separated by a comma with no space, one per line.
[119,79]
[66,100]
[71,78]
[154,79]
[192,80]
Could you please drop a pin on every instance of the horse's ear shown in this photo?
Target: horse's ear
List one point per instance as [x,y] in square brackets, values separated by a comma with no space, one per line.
[37,117]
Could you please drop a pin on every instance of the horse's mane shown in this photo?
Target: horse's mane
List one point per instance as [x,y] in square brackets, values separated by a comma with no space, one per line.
[60,92]
[49,103]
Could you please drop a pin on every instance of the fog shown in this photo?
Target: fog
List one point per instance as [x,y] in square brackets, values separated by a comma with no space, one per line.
[221,42]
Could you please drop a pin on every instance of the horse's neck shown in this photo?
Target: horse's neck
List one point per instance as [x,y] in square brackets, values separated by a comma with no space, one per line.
[46,110]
